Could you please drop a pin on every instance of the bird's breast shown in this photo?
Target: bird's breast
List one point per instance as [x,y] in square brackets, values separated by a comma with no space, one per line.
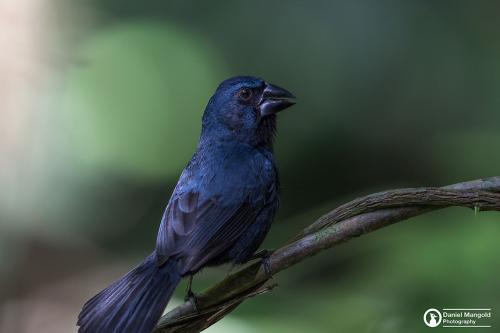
[238,175]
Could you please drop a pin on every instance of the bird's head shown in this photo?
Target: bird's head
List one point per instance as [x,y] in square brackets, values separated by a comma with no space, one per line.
[243,109]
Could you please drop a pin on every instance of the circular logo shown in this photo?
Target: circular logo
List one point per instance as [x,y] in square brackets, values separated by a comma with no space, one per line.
[432,317]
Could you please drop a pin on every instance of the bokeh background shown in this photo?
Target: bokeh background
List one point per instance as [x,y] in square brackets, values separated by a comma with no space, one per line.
[100,106]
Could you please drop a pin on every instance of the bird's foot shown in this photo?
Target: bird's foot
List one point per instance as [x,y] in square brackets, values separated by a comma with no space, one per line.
[190,295]
[267,267]
[264,256]
[193,299]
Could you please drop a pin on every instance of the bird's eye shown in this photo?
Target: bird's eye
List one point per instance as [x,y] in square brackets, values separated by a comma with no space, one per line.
[245,94]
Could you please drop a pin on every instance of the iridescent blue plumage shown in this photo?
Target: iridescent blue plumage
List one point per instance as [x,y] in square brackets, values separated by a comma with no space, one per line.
[220,210]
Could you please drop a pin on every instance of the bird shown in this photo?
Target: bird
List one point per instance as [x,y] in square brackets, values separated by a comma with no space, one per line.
[219,212]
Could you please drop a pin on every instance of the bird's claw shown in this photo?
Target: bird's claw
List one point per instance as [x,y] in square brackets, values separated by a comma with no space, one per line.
[193,299]
[267,267]
[190,295]
[264,256]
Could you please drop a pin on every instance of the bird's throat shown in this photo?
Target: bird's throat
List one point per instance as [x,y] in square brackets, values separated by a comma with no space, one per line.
[266,131]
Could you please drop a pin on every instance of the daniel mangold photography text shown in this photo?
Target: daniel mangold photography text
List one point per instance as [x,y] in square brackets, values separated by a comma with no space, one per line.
[454,317]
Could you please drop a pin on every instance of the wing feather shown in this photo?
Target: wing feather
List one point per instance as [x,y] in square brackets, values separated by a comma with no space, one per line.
[196,231]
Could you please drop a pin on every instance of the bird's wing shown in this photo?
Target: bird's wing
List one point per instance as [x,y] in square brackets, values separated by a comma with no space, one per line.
[196,231]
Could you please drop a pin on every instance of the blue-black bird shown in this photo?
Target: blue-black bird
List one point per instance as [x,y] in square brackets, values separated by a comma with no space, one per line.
[220,210]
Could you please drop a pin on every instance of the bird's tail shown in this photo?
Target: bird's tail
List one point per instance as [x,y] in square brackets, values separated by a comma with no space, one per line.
[134,303]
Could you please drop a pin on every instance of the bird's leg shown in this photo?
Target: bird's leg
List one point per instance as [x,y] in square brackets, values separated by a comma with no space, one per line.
[264,256]
[190,295]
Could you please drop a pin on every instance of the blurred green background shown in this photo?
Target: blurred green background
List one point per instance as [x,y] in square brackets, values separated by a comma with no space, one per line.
[390,94]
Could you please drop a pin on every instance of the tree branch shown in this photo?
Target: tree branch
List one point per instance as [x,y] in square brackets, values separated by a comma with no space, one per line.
[350,220]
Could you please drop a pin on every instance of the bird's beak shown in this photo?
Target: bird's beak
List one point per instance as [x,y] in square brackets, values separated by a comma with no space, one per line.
[275,99]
